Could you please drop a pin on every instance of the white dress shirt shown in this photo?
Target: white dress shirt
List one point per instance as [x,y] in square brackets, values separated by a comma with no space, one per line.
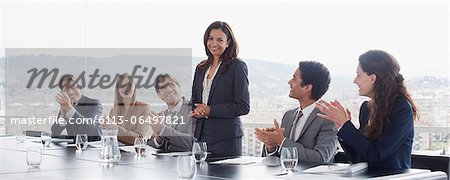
[298,129]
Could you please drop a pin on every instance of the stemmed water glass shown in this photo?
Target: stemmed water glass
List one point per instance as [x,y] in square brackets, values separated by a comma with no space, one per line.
[46,138]
[186,167]
[139,146]
[289,159]
[81,141]
[200,151]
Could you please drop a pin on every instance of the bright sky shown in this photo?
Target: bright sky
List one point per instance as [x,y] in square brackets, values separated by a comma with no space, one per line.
[415,32]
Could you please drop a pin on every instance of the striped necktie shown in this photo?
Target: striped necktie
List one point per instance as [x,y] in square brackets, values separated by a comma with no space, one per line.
[294,125]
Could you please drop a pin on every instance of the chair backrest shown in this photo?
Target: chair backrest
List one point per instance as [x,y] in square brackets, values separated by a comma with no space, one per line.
[433,163]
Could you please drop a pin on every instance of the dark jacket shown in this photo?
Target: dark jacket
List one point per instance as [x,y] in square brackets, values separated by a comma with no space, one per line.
[228,99]
[393,148]
[91,110]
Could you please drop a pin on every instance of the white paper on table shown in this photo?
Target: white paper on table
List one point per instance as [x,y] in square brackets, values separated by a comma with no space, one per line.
[127,148]
[271,161]
[337,168]
[239,161]
[6,135]
[96,144]
[71,145]
[58,140]
[314,176]
[187,153]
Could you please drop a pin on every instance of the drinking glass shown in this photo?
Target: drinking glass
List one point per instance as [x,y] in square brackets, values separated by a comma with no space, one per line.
[81,141]
[139,146]
[289,159]
[186,167]
[200,151]
[46,138]
[34,156]
[20,137]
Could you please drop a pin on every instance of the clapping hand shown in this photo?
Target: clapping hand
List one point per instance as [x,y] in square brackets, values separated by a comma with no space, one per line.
[333,111]
[64,101]
[271,137]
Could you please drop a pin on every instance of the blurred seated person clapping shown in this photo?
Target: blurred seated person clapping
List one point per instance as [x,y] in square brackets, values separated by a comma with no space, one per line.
[176,134]
[127,112]
[75,107]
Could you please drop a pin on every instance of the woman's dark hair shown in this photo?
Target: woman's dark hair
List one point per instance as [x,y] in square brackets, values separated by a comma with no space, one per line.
[118,101]
[230,52]
[389,87]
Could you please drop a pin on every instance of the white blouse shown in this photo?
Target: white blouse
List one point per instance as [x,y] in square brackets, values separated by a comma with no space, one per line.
[207,84]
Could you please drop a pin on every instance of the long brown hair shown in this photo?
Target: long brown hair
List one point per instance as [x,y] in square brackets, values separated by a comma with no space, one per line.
[389,87]
[118,100]
[230,53]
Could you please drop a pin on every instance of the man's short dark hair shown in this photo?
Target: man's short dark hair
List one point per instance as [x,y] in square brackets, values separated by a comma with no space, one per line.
[69,79]
[161,77]
[317,75]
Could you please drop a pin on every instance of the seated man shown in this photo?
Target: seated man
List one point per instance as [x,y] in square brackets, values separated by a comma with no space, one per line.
[79,112]
[315,139]
[178,134]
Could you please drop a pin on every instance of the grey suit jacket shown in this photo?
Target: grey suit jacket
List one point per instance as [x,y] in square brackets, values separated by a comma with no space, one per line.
[178,137]
[86,108]
[317,141]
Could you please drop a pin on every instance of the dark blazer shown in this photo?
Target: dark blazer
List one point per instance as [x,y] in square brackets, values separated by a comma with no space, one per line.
[177,137]
[392,150]
[86,108]
[228,99]
[317,141]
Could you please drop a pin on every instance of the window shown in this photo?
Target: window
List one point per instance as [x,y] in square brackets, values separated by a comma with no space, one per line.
[334,33]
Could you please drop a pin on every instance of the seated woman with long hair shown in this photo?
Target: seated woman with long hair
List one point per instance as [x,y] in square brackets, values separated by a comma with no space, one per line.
[385,136]
[127,110]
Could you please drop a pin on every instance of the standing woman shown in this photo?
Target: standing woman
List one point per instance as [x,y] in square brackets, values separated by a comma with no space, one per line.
[220,93]
[385,136]
[127,111]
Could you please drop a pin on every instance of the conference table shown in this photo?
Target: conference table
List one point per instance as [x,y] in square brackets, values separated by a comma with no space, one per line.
[62,162]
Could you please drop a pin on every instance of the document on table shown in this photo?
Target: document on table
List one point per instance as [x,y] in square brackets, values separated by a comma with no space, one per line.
[239,161]
[127,148]
[6,135]
[156,153]
[96,144]
[58,140]
[337,168]
[314,176]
